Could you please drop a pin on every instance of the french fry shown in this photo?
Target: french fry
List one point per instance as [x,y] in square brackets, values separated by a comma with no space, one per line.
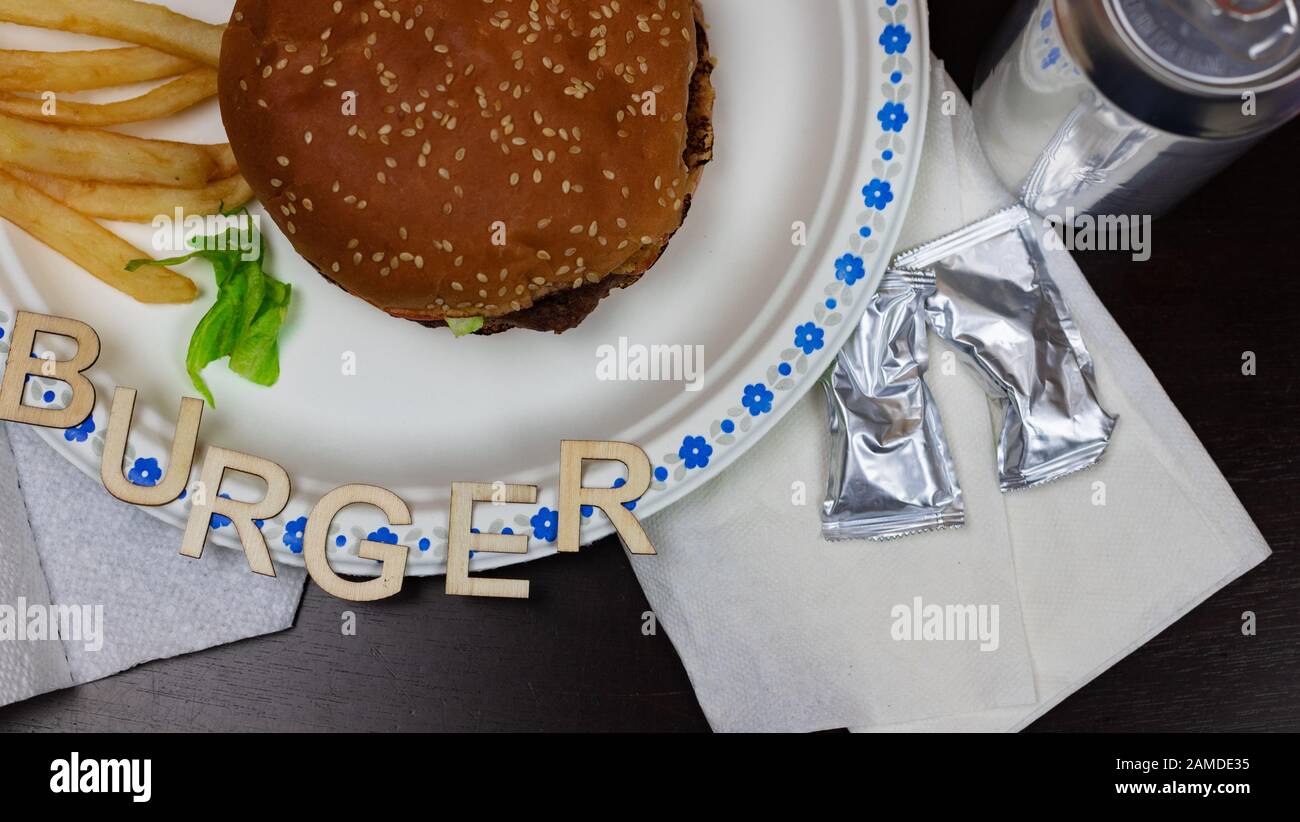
[138,204]
[89,245]
[90,154]
[224,157]
[37,71]
[185,91]
[142,23]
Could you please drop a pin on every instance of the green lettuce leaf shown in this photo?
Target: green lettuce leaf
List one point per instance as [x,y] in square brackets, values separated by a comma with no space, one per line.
[462,326]
[244,322]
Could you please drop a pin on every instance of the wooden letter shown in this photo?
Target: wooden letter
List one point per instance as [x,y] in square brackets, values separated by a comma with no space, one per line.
[242,514]
[21,363]
[178,467]
[393,557]
[610,500]
[460,541]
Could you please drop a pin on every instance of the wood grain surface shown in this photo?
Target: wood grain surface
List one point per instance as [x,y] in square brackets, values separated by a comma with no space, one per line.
[1224,279]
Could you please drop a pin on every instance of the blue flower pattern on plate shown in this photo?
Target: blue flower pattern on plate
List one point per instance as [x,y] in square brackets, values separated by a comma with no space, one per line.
[895,38]
[809,338]
[145,471]
[758,399]
[892,116]
[79,433]
[220,520]
[382,535]
[850,268]
[877,194]
[293,532]
[546,524]
[695,452]
[631,506]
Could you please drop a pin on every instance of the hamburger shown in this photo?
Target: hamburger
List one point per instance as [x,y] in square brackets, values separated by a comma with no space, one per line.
[479,164]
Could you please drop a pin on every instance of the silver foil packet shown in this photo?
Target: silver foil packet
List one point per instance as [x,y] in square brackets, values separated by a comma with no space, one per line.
[891,473]
[996,304]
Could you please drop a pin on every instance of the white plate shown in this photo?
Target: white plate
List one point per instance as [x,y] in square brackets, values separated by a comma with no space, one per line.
[816,100]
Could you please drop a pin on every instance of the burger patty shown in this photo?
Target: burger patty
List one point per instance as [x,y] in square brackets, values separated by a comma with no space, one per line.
[564,310]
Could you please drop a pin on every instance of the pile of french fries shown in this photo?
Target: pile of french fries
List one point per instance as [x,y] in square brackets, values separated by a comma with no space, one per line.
[60,170]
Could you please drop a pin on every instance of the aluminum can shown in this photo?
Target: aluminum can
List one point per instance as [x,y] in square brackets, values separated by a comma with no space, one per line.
[1126,106]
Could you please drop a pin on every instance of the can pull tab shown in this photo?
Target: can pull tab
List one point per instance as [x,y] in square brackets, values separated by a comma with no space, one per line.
[1258,31]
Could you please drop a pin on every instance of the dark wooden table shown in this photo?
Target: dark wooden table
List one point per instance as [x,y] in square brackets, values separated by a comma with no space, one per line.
[1223,279]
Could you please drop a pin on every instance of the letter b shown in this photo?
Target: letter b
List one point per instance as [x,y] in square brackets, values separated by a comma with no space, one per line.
[21,364]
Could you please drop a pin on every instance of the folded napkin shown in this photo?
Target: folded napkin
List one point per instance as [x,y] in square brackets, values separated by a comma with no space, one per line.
[64,541]
[780,630]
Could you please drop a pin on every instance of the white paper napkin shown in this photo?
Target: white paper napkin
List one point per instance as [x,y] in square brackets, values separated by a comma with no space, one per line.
[26,668]
[64,540]
[780,630]
[1099,581]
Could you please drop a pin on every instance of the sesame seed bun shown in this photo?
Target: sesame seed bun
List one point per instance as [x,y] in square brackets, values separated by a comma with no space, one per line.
[508,159]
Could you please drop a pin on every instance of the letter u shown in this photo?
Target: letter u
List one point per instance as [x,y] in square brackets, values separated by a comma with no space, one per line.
[167,487]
